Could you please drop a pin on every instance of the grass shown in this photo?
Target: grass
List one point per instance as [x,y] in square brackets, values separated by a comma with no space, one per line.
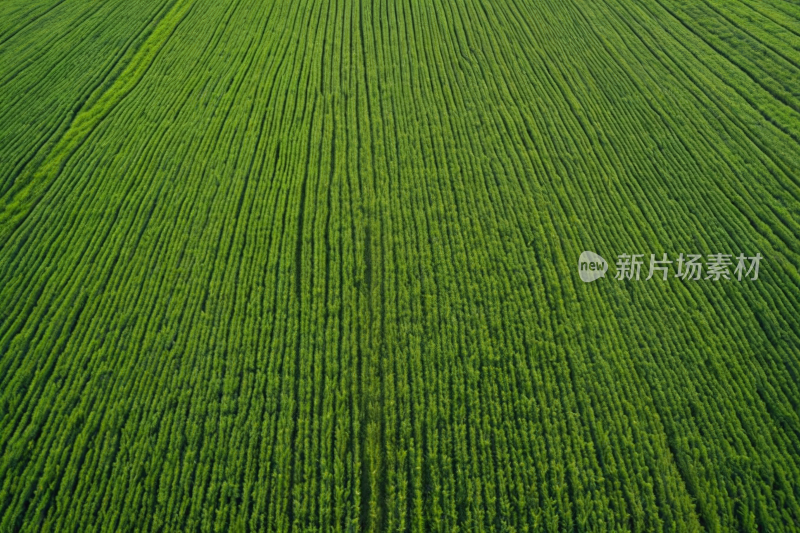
[312,266]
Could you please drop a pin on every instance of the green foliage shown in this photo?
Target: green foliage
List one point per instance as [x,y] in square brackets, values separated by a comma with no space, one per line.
[310,266]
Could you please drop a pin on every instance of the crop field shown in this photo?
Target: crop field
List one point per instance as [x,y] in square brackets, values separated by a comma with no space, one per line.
[294,265]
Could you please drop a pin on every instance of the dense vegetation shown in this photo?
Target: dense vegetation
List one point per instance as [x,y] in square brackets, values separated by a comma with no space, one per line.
[311,265]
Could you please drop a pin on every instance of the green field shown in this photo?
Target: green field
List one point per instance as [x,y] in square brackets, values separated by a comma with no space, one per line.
[293,265]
